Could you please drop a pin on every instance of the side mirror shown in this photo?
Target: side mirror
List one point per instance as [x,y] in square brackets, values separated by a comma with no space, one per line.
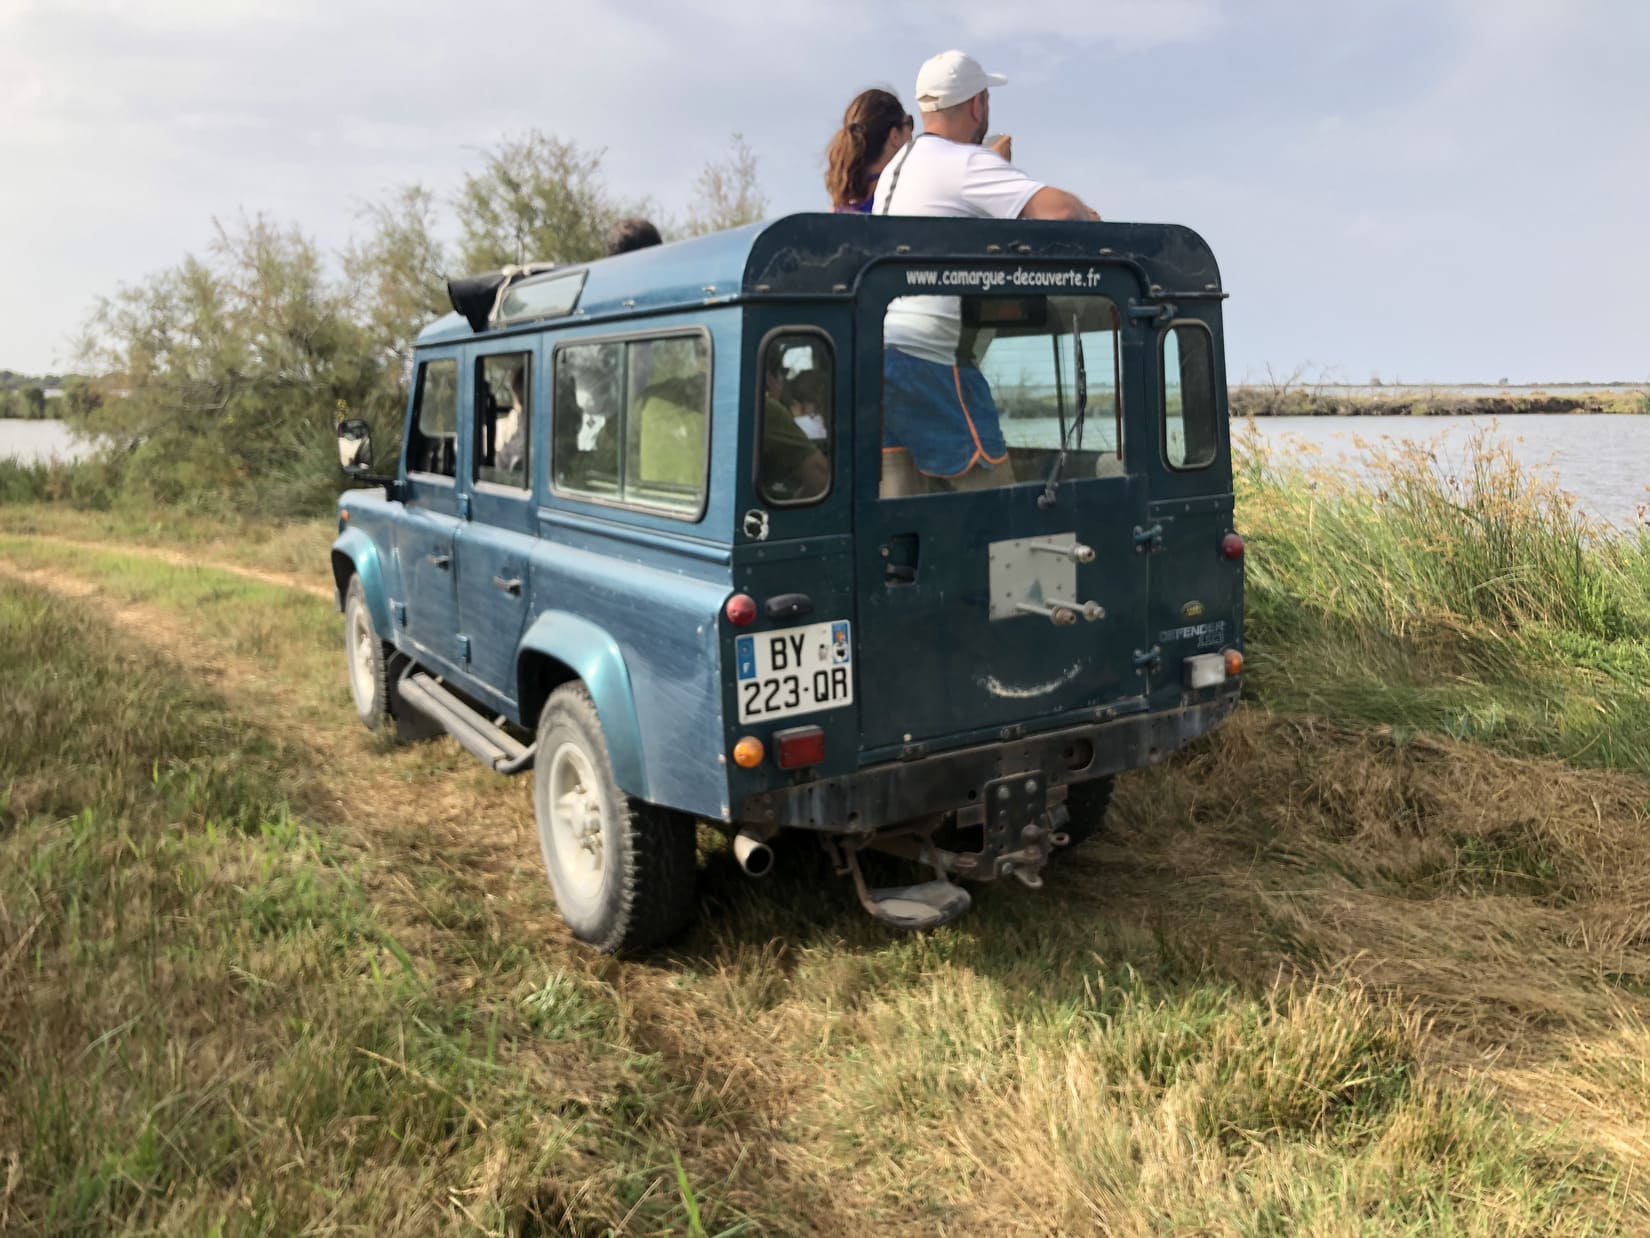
[355,447]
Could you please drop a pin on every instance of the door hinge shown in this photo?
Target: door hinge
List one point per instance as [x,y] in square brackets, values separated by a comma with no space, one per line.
[1148,660]
[1159,313]
[1148,540]
[464,649]
[463,507]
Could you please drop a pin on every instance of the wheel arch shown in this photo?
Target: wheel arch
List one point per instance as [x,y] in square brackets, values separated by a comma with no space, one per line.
[560,648]
[356,554]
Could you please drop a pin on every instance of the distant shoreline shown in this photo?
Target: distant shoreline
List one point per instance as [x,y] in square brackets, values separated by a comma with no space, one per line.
[1454,401]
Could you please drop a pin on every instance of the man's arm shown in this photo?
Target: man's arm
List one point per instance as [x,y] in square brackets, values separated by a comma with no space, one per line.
[1051,203]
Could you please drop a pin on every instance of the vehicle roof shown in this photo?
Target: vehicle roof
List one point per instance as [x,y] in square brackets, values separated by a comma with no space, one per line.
[824,255]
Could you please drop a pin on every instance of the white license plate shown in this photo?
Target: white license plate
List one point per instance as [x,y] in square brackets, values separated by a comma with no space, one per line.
[795,671]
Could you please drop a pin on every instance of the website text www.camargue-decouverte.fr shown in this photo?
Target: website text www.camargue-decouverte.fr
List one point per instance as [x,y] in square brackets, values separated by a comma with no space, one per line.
[1020,277]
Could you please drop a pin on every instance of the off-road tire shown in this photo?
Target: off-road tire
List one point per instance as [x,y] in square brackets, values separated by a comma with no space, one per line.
[367,659]
[641,890]
[1087,803]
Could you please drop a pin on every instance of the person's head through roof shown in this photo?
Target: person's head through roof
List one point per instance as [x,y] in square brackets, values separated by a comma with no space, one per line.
[874,128]
[954,96]
[629,234]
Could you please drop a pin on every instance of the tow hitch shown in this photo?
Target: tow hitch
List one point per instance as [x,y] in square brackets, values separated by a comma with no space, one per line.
[1020,829]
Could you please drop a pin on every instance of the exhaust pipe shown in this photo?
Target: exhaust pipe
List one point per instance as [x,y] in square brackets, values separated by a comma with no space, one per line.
[754,855]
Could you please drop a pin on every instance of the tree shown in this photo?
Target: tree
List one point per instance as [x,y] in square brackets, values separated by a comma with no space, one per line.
[536,199]
[81,398]
[726,193]
[235,367]
[398,273]
[33,401]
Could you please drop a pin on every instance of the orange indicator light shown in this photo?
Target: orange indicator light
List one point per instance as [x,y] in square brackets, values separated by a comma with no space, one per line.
[748,752]
[1234,663]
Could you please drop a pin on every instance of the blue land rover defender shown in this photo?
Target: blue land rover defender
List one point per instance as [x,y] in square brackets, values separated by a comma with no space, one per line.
[659,533]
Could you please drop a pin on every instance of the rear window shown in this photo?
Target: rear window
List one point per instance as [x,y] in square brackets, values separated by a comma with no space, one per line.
[1189,410]
[986,391]
[793,463]
[631,422]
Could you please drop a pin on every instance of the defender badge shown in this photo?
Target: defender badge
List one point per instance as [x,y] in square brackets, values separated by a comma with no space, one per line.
[1191,610]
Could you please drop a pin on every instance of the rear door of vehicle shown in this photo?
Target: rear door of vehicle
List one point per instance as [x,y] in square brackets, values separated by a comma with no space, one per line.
[424,535]
[505,430]
[956,640]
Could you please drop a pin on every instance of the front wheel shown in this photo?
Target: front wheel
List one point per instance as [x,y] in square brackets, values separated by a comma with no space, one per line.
[369,675]
[622,870]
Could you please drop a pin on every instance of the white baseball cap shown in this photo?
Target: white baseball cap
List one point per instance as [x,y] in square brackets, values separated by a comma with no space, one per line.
[952,78]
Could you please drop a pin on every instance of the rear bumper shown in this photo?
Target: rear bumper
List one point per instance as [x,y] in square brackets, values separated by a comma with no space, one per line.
[899,791]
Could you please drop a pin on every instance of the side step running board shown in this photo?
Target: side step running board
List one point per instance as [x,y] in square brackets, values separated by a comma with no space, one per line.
[499,749]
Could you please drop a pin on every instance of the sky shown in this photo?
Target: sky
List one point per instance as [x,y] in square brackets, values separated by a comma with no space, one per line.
[1415,190]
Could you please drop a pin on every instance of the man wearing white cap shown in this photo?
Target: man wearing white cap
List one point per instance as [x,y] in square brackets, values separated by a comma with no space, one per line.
[940,423]
[956,175]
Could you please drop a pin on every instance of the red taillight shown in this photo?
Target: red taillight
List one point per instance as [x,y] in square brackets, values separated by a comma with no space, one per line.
[1232,546]
[741,610]
[799,746]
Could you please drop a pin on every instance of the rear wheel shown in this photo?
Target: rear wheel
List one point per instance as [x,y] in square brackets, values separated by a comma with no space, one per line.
[1087,803]
[622,870]
[368,656]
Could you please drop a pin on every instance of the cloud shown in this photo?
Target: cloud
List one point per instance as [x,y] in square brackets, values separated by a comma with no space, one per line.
[1338,157]
[1119,25]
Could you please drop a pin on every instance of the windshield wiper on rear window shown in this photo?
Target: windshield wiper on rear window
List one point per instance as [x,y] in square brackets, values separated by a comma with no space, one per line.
[1047,497]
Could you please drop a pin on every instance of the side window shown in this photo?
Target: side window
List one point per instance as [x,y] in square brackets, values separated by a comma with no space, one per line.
[793,463]
[503,418]
[667,423]
[585,412]
[632,422]
[1189,407]
[432,444]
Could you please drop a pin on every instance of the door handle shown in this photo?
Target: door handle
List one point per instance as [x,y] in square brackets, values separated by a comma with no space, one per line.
[441,561]
[511,586]
[899,555]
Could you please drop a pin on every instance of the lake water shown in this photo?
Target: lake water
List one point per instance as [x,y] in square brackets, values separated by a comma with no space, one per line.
[35,441]
[1603,460]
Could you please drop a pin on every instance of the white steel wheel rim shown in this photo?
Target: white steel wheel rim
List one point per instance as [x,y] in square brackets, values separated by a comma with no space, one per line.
[362,669]
[575,844]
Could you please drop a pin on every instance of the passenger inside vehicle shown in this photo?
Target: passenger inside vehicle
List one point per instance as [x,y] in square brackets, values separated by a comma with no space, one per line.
[793,468]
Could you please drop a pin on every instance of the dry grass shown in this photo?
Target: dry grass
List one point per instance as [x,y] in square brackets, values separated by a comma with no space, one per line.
[258,970]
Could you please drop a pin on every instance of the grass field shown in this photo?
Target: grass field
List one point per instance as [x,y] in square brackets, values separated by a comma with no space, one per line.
[1374,958]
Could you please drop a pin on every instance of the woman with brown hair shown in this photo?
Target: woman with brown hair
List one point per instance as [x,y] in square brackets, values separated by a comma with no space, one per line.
[874,128]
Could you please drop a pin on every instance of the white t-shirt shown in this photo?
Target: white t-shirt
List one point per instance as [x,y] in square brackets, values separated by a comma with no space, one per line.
[955,179]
